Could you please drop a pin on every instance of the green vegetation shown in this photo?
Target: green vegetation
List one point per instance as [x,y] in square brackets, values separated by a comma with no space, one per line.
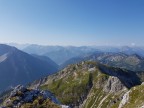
[86,83]
[97,94]
[76,86]
[136,97]
[40,103]
[70,89]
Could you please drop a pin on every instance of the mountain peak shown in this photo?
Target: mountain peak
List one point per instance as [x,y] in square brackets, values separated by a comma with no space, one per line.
[6,49]
[81,83]
[24,97]
[18,67]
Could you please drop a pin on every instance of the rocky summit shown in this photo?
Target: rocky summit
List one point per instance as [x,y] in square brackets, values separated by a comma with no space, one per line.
[93,85]
[21,97]
[84,85]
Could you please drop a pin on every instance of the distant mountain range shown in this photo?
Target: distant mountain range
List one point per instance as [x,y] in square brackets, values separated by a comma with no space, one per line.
[132,62]
[61,54]
[18,67]
[58,54]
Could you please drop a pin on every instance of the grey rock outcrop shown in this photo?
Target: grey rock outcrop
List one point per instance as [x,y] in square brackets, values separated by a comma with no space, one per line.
[124,100]
[21,95]
[113,85]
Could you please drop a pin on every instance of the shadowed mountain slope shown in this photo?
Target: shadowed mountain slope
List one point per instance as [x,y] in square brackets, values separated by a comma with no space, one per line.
[17,67]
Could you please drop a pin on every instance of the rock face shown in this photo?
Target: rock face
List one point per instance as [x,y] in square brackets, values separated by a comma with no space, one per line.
[134,98]
[124,100]
[113,85]
[90,85]
[23,97]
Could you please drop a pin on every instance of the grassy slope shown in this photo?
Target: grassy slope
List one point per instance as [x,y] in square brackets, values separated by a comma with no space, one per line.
[76,83]
[136,97]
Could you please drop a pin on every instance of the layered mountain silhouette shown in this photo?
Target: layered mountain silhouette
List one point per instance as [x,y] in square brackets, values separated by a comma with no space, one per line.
[46,59]
[132,62]
[59,54]
[18,67]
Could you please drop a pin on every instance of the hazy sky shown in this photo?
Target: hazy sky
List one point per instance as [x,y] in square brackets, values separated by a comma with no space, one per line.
[72,22]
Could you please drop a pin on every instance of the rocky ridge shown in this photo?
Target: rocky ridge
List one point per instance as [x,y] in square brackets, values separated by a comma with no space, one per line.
[22,97]
[84,85]
[134,98]
[90,85]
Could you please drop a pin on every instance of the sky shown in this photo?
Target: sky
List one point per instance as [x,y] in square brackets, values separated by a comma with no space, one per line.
[72,22]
